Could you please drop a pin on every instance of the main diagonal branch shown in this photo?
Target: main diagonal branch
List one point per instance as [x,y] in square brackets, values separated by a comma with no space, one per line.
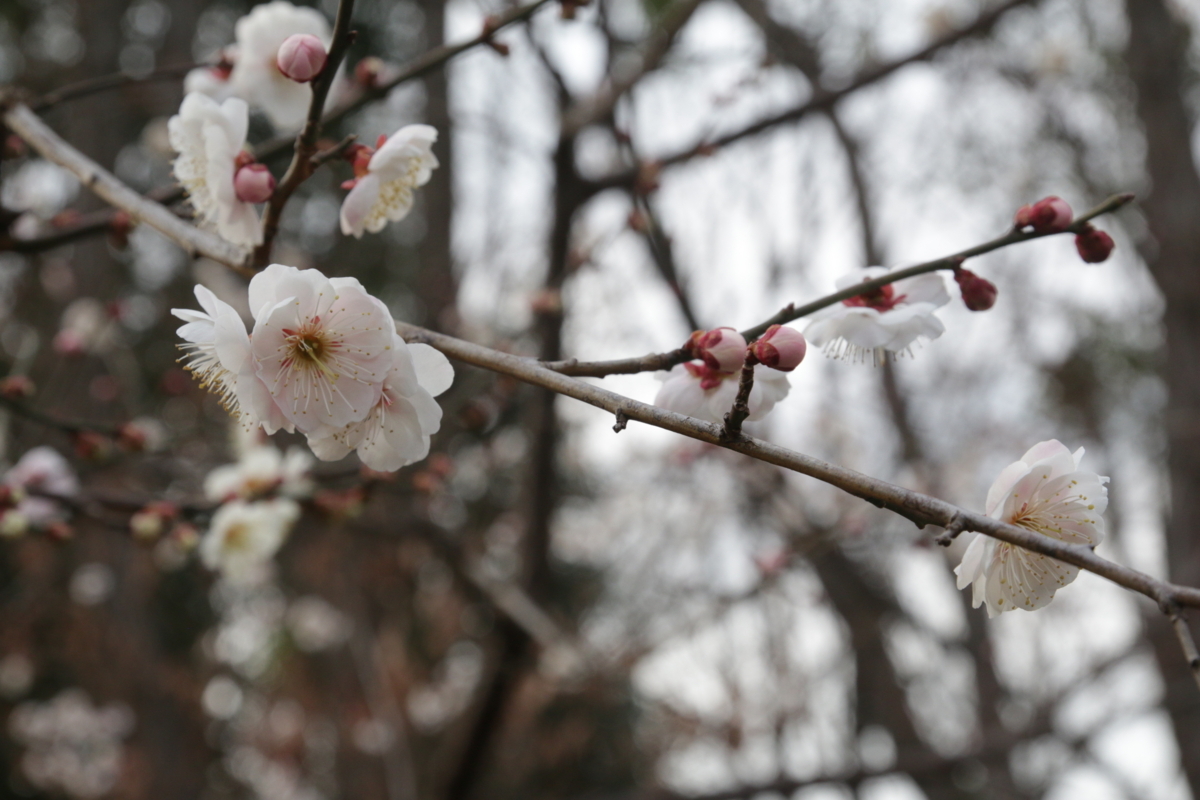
[38,135]
[919,508]
[657,361]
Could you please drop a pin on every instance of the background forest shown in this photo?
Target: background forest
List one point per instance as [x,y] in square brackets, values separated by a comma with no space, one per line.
[543,608]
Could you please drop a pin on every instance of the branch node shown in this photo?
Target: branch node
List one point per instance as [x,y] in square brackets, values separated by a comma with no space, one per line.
[621,422]
[953,528]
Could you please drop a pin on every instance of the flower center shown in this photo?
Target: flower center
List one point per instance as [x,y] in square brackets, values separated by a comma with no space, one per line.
[883,298]
[310,347]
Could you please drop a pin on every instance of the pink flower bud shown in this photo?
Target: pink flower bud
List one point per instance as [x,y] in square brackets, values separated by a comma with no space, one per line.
[978,294]
[254,183]
[780,348]
[1048,215]
[722,349]
[301,57]
[1094,245]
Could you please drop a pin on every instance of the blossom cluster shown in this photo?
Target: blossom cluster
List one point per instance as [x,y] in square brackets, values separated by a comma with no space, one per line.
[279,48]
[323,358]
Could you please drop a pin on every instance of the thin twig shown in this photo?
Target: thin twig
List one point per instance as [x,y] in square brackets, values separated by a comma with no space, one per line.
[333,152]
[38,135]
[71,426]
[657,361]
[741,404]
[99,84]
[921,509]
[821,99]
[1184,634]
[302,164]
[418,67]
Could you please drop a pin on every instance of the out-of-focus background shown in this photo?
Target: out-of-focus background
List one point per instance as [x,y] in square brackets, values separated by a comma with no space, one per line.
[543,608]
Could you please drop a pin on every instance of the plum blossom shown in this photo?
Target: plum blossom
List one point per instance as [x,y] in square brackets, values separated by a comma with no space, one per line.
[209,138]
[256,75]
[323,347]
[397,430]
[217,350]
[244,536]
[880,323]
[261,470]
[1045,492]
[384,179]
[699,391]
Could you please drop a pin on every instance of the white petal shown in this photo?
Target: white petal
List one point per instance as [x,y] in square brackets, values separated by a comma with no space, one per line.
[433,368]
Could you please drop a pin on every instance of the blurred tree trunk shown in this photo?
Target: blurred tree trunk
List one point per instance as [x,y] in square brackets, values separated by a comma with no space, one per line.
[1157,60]
[436,285]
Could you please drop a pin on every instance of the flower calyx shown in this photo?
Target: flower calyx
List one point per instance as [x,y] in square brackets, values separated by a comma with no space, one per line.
[883,298]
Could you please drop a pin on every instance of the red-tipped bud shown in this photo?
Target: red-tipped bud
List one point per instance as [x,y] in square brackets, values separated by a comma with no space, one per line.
[16,387]
[92,446]
[1048,215]
[60,531]
[978,294]
[149,523]
[780,348]
[367,71]
[254,183]
[132,437]
[1094,245]
[118,229]
[301,57]
[722,349]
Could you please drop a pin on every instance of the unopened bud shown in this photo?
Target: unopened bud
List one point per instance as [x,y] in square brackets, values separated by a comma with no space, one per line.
[1049,215]
[367,71]
[301,57]
[1094,245]
[132,437]
[14,146]
[119,228]
[92,446]
[60,531]
[16,387]
[978,294]
[721,349]
[146,525]
[780,348]
[254,183]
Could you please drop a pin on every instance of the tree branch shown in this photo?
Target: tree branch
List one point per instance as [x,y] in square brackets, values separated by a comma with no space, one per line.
[822,100]
[303,162]
[419,66]
[93,85]
[38,135]
[657,361]
[921,509]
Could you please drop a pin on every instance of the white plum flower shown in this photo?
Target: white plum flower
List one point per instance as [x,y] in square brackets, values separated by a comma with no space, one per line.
[209,137]
[699,391]
[217,350]
[256,75]
[382,189]
[1045,492]
[323,347]
[261,470]
[880,323]
[396,432]
[243,537]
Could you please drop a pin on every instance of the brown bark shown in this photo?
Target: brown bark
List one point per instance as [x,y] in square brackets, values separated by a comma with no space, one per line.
[1157,59]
